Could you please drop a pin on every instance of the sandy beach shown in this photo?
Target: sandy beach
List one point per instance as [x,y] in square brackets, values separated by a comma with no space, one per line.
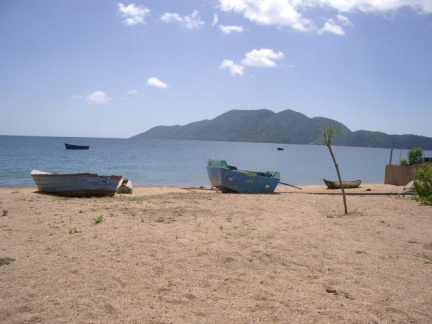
[174,255]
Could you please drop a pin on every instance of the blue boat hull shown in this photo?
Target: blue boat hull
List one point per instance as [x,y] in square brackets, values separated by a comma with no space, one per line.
[238,181]
[76,184]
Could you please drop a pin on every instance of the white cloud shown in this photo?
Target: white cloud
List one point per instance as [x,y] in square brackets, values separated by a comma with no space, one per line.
[215,20]
[192,21]
[331,27]
[262,58]
[233,68]
[344,20]
[155,82]
[132,14]
[269,12]
[98,98]
[229,29]
[378,6]
[131,92]
[289,12]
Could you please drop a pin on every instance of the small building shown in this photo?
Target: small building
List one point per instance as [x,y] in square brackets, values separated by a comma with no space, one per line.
[400,175]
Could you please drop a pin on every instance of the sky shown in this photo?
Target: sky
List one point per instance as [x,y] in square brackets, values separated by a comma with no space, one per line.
[114,69]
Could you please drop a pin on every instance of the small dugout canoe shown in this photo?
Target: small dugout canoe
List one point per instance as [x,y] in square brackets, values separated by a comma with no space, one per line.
[346,184]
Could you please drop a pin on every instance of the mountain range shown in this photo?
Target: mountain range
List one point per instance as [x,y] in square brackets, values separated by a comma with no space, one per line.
[285,127]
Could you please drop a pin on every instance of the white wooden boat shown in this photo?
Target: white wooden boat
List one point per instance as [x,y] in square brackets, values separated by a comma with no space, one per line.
[75,184]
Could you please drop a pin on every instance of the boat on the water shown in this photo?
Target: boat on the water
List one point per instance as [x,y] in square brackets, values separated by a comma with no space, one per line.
[76,147]
[346,184]
[228,178]
[280,148]
[75,184]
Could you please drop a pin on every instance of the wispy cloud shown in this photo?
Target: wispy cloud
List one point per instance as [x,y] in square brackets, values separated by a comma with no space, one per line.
[376,6]
[269,12]
[133,14]
[229,29]
[215,20]
[234,69]
[331,27]
[98,98]
[155,82]
[288,13]
[262,58]
[131,92]
[190,22]
[344,20]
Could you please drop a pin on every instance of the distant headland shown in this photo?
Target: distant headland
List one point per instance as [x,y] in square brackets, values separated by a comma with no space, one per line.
[285,127]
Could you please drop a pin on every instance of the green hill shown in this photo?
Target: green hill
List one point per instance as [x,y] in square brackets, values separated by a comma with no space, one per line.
[285,127]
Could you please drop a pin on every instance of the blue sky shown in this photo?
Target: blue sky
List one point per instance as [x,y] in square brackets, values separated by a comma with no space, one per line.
[105,68]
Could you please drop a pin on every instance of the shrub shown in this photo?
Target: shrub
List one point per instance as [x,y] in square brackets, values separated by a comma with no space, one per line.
[423,184]
[415,155]
[98,220]
[73,230]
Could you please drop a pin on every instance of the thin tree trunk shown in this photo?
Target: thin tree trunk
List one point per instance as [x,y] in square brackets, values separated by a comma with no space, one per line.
[339,178]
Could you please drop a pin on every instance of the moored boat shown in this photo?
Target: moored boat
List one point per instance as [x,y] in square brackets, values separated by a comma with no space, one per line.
[75,184]
[346,184]
[76,147]
[228,178]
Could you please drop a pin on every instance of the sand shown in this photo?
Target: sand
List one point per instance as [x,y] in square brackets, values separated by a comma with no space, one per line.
[173,255]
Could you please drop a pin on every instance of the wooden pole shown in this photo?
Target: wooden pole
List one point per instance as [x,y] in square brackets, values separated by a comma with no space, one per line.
[287,184]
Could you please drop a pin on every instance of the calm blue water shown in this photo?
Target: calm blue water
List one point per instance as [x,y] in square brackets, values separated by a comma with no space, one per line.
[183,163]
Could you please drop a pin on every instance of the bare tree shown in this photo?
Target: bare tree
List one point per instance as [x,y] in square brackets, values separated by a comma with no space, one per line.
[329,133]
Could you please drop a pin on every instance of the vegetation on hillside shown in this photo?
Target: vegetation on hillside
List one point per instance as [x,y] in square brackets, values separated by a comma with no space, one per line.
[285,127]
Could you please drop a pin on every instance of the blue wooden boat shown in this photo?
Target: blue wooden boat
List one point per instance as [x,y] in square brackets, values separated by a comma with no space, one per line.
[228,178]
[75,184]
[76,147]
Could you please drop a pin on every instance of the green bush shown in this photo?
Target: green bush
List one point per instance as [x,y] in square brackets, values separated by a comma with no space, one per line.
[98,220]
[415,155]
[423,184]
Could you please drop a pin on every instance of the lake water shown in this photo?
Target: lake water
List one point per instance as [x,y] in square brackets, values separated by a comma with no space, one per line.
[183,163]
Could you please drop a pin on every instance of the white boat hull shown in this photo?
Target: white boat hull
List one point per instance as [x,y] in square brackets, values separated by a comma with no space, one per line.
[75,184]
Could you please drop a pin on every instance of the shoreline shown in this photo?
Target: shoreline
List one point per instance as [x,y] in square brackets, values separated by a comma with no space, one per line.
[167,254]
[281,188]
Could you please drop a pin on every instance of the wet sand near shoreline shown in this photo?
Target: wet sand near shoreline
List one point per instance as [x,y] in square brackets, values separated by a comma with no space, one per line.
[190,255]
